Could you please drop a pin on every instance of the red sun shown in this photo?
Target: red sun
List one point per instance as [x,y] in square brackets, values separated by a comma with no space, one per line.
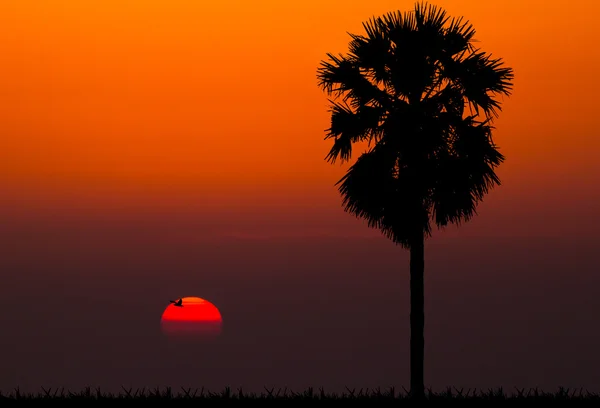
[195,317]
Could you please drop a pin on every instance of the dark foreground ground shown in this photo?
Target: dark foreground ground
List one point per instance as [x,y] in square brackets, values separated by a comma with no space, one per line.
[389,396]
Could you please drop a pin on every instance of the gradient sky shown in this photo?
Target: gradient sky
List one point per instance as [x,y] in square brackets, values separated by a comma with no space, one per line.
[148,148]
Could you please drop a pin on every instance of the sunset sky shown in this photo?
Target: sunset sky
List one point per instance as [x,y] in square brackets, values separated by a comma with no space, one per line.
[135,134]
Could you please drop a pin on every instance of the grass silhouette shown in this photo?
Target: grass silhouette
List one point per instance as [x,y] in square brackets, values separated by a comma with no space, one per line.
[310,394]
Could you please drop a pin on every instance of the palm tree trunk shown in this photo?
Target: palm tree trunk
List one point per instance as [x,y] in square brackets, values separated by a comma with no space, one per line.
[417,316]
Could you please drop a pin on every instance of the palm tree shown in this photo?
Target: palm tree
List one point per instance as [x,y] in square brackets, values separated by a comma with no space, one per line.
[422,97]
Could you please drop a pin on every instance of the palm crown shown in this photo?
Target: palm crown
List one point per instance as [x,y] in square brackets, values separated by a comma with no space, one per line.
[423,97]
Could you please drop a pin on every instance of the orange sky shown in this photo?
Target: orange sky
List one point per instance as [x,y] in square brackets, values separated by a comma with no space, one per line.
[115,102]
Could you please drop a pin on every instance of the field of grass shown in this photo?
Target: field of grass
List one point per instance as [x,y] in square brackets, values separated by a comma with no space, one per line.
[315,395]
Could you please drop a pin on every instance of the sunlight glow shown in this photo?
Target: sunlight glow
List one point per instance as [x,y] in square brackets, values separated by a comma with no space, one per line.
[194,309]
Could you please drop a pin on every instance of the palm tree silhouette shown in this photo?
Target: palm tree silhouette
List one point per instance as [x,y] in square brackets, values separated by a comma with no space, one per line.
[422,97]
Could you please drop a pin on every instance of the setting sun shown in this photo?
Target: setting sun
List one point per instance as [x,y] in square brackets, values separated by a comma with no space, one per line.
[191,316]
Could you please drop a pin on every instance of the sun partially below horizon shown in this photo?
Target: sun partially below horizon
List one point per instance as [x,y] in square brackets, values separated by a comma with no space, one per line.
[193,309]
[195,318]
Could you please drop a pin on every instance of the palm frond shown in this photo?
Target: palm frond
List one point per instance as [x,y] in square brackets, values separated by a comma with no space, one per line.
[458,37]
[448,99]
[349,126]
[331,74]
[430,25]
[389,198]
[429,16]
[367,183]
[481,77]
[342,76]
[371,53]
[372,27]
[397,25]
[405,62]
[465,174]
